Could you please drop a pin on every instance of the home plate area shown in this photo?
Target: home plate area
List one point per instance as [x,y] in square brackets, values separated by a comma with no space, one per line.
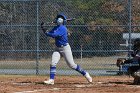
[62,89]
[58,87]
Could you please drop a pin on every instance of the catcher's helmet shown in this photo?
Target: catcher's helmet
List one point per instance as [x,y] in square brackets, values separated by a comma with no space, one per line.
[136,45]
[137,41]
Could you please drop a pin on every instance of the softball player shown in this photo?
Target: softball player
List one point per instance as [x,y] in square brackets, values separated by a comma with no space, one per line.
[134,71]
[59,33]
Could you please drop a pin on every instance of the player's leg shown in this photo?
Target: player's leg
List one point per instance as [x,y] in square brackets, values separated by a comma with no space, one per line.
[55,60]
[137,77]
[67,54]
[134,71]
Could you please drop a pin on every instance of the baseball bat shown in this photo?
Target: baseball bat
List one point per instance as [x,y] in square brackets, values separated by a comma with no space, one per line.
[69,19]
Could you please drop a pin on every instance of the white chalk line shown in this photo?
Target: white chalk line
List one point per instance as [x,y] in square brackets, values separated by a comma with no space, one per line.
[82,86]
[40,90]
[56,89]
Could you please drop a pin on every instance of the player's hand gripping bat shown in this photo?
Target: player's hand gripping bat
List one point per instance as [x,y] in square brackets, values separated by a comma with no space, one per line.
[42,27]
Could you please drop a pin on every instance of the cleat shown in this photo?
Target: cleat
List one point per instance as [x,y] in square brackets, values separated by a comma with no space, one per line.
[88,77]
[49,82]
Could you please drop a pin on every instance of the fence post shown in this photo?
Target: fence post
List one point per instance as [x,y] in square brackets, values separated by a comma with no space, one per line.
[130,26]
[37,38]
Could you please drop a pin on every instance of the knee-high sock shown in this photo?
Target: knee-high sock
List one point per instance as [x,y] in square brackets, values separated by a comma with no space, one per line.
[80,70]
[52,72]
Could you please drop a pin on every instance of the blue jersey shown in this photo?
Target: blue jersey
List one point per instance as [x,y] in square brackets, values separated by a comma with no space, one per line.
[59,32]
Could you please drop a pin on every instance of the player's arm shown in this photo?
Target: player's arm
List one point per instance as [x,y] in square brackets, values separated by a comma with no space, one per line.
[56,33]
[122,61]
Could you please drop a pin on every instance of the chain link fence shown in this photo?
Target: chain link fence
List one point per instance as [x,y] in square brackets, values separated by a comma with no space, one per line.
[95,35]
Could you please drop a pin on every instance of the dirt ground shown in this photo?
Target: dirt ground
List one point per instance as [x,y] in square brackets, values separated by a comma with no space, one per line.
[67,84]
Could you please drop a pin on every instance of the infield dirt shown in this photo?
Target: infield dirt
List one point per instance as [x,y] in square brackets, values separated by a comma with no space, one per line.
[67,84]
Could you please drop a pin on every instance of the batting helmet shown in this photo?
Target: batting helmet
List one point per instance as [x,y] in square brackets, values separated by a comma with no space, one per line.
[61,15]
